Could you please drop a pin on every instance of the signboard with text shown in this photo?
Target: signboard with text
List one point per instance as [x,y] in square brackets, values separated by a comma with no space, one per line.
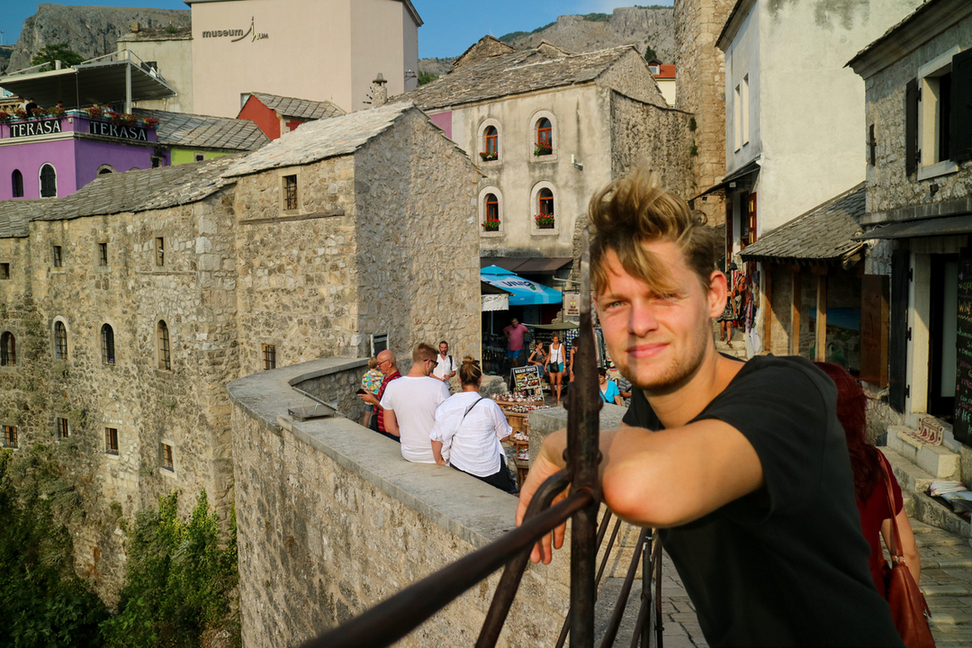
[38,127]
[527,380]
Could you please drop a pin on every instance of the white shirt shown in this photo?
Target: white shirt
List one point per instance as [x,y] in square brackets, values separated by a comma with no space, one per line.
[473,442]
[414,400]
[445,365]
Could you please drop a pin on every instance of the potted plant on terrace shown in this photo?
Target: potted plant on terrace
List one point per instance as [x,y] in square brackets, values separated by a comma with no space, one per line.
[20,113]
[94,112]
[491,225]
[56,111]
[5,117]
[151,122]
[543,149]
[544,221]
[487,156]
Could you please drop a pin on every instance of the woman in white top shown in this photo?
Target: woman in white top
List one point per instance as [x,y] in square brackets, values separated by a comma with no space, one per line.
[469,430]
[555,365]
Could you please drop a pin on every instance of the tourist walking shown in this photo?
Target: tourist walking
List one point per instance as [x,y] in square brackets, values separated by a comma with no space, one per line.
[555,366]
[514,340]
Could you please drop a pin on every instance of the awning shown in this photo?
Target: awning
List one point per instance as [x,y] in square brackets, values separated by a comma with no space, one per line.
[493,298]
[98,81]
[749,169]
[947,226]
[524,292]
[526,264]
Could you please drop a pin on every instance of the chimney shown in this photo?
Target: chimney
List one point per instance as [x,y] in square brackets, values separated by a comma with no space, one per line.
[379,93]
[134,27]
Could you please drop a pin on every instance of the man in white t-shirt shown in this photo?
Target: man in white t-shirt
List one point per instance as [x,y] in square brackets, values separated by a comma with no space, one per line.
[410,402]
[445,367]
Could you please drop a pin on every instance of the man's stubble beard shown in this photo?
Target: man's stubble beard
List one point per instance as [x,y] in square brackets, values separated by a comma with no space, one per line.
[674,375]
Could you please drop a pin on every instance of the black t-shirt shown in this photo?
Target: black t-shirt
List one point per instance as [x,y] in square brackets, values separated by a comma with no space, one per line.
[786,565]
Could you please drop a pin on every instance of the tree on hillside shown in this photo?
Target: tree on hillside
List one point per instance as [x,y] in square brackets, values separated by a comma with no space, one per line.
[56,52]
[650,53]
[426,77]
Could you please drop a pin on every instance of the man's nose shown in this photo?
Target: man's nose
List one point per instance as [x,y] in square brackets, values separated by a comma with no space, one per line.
[641,319]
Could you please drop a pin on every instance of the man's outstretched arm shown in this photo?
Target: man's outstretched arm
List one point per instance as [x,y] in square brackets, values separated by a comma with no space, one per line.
[657,479]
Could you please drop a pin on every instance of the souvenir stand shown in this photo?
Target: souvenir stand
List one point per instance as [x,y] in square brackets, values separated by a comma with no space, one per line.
[526,396]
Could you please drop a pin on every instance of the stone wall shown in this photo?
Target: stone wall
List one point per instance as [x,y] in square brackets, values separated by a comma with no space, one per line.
[631,77]
[332,520]
[184,406]
[655,137]
[417,245]
[888,186]
[700,83]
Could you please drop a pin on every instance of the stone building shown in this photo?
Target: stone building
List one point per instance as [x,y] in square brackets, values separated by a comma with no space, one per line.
[168,51]
[918,135]
[128,306]
[793,112]
[549,128]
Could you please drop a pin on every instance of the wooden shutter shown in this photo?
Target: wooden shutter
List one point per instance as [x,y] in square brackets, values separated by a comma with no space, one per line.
[911,127]
[898,342]
[874,329]
[960,122]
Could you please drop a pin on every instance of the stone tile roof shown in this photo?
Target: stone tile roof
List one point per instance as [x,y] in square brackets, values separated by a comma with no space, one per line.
[185,130]
[822,234]
[514,73]
[15,216]
[139,190]
[299,108]
[322,139]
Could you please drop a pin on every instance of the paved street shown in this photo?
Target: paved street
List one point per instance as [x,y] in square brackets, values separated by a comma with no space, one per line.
[946,581]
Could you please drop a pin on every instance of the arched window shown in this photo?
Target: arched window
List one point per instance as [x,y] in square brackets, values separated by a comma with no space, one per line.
[544,137]
[17,183]
[48,182]
[491,143]
[107,345]
[492,221]
[8,350]
[162,335]
[105,170]
[545,217]
[60,341]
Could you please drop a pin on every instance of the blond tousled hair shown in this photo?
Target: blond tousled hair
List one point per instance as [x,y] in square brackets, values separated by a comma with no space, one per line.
[635,209]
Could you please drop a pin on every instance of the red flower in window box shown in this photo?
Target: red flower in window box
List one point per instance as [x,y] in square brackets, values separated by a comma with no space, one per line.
[94,112]
[487,156]
[20,113]
[544,221]
[151,122]
[543,149]
[5,117]
[491,225]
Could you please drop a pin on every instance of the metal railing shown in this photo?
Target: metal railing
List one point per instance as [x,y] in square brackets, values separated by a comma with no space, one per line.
[397,616]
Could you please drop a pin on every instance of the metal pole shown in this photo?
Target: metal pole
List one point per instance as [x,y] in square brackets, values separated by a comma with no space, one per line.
[128,87]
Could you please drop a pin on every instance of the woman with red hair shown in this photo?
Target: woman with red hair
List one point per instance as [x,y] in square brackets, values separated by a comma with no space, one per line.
[869,467]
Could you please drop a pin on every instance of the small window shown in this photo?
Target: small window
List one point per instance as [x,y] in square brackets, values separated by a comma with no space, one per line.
[62,427]
[200,157]
[111,441]
[156,162]
[492,222]
[160,251]
[290,192]
[8,350]
[60,341]
[269,356]
[491,144]
[544,137]
[17,182]
[103,254]
[378,343]
[167,461]
[57,258]
[10,436]
[105,170]
[48,182]
[545,217]
[4,270]
[107,345]
[162,335]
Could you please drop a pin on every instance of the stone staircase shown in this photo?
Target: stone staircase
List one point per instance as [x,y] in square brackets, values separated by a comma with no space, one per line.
[944,539]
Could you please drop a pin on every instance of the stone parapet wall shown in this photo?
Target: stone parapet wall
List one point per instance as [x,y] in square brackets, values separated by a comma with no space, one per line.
[332,520]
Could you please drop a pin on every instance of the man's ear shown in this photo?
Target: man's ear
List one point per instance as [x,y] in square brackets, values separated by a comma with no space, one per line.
[718,293]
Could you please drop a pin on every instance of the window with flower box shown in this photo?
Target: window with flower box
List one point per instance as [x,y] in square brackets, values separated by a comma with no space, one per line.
[490,144]
[544,137]
[492,221]
[545,215]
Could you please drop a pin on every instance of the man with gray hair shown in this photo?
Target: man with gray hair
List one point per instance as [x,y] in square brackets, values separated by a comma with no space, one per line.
[409,405]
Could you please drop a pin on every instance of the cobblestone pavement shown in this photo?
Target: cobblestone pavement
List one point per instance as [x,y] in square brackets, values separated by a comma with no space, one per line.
[946,581]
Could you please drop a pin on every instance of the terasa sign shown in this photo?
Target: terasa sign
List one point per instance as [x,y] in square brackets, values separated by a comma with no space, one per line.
[116,130]
[31,128]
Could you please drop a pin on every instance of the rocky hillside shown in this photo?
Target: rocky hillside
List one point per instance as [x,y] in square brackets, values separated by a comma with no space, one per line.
[639,26]
[89,31]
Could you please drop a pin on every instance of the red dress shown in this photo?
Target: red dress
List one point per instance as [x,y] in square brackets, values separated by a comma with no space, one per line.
[873,513]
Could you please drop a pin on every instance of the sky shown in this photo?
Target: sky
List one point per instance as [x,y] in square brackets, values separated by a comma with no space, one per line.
[450,25]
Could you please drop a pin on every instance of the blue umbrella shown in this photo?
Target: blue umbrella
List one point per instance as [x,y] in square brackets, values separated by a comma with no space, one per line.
[525,292]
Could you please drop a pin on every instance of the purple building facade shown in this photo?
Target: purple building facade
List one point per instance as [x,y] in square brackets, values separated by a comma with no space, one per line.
[56,156]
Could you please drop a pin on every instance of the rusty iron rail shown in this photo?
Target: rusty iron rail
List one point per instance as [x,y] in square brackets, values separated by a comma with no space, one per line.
[398,615]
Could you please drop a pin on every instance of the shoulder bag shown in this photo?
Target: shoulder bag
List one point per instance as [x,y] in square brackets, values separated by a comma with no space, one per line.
[908,606]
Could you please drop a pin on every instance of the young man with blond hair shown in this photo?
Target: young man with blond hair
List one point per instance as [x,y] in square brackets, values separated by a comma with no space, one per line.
[743,466]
